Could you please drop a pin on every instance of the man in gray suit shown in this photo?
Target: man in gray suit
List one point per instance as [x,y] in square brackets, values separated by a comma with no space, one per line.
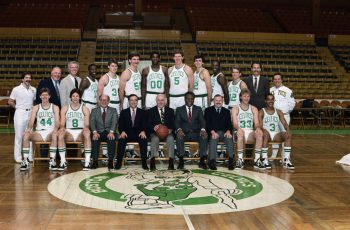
[103,123]
[190,126]
[71,81]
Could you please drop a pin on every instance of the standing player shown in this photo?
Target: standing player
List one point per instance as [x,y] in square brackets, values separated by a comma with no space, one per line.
[130,81]
[235,87]
[74,126]
[284,101]
[22,98]
[202,84]
[88,88]
[154,81]
[271,118]
[245,119]
[218,82]
[47,117]
[181,80]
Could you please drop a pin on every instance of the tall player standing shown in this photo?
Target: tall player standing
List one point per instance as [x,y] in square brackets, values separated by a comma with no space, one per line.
[88,88]
[235,87]
[181,81]
[154,81]
[202,84]
[219,82]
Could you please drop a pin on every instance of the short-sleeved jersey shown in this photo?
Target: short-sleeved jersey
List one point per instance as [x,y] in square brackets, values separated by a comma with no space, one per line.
[75,118]
[24,97]
[284,99]
[45,118]
[112,87]
[199,89]
[246,118]
[216,86]
[233,91]
[271,122]
[133,85]
[90,94]
[178,81]
[155,81]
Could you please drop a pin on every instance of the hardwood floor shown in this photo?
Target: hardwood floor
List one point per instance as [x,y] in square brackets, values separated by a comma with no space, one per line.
[320,201]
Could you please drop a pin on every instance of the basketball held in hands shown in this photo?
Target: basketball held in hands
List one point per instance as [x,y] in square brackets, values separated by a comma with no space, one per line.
[162,131]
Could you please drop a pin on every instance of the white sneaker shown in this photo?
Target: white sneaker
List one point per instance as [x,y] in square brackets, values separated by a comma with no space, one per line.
[52,165]
[62,166]
[24,165]
[288,164]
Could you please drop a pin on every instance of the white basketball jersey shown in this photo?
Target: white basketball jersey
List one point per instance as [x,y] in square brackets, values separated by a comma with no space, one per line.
[199,85]
[216,86]
[75,118]
[246,118]
[45,118]
[133,85]
[155,81]
[90,94]
[112,87]
[271,122]
[178,81]
[233,91]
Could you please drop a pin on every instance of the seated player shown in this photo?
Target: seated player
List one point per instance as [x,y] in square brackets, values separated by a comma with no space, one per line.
[270,118]
[47,122]
[74,127]
[246,122]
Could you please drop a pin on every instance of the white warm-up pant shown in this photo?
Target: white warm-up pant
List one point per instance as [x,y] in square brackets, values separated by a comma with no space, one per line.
[20,120]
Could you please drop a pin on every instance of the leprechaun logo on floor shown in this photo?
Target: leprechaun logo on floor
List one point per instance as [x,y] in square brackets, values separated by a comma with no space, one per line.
[193,191]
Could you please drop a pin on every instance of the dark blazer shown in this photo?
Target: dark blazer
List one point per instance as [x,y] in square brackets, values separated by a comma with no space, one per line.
[181,119]
[217,122]
[154,119]
[125,123]
[96,122]
[258,98]
[47,83]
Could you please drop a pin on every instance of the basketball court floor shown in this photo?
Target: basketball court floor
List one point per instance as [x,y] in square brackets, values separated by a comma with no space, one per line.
[313,196]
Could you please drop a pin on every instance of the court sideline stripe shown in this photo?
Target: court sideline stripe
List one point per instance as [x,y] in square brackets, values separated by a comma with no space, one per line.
[187,219]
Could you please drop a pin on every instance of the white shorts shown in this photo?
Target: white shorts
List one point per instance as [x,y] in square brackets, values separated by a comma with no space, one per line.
[75,133]
[273,134]
[175,102]
[150,100]
[126,103]
[201,102]
[44,134]
[247,132]
[89,106]
[116,106]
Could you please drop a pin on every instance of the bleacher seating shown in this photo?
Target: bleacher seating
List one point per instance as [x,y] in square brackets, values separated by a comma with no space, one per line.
[342,54]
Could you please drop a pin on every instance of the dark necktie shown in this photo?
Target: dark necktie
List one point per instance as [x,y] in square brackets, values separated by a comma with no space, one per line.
[218,111]
[162,117]
[255,86]
[133,115]
[57,89]
[104,116]
[189,115]
[76,82]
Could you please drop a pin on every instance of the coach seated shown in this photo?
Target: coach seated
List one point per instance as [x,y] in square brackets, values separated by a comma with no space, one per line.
[103,123]
[132,127]
[161,115]
[190,126]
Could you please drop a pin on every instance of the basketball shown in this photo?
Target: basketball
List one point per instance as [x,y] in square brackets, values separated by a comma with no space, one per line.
[162,131]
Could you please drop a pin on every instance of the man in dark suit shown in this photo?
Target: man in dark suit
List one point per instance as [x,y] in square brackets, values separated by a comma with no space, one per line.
[219,127]
[161,114]
[258,86]
[103,123]
[53,84]
[190,126]
[132,127]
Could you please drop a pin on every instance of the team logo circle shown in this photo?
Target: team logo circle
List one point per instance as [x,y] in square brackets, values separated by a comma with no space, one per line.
[190,191]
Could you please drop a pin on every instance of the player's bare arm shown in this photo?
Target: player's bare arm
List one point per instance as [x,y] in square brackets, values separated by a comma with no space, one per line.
[189,72]
[283,121]
[101,85]
[63,116]
[223,83]
[206,77]
[56,111]
[84,85]
[166,81]
[86,112]
[123,79]
[32,118]
[144,74]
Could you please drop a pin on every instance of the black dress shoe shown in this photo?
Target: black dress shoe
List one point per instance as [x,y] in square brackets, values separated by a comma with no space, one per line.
[230,164]
[212,165]
[152,164]
[171,164]
[144,164]
[202,163]
[181,163]
[110,165]
[94,164]
[118,165]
